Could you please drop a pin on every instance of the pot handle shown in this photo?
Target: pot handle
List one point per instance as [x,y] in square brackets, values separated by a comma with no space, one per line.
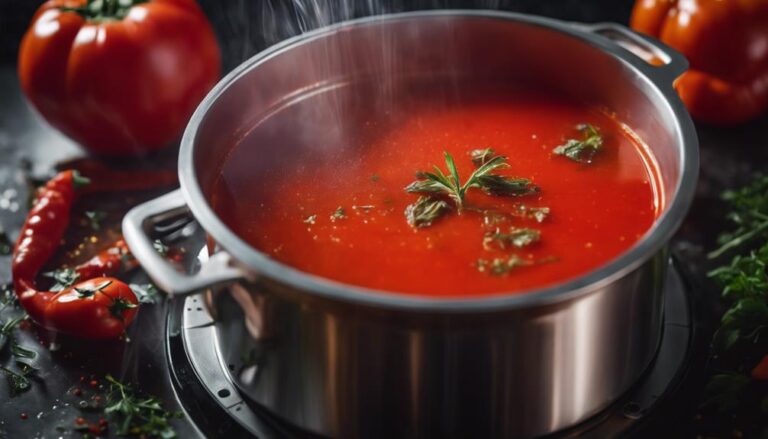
[661,58]
[218,269]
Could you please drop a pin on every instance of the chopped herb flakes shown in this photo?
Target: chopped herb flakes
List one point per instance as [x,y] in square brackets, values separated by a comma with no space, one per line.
[425,211]
[516,237]
[338,214]
[582,150]
[501,266]
[537,213]
[310,219]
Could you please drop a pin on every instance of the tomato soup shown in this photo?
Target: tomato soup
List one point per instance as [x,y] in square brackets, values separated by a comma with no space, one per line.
[320,185]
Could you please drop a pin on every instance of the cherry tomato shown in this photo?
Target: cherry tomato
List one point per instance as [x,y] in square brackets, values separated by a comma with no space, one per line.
[99,308]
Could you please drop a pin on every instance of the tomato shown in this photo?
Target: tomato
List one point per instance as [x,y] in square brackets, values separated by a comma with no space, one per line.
[726,43]
[118,79]
[99,308]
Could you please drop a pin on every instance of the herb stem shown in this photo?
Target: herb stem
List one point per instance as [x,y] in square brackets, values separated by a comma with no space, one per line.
[735,242]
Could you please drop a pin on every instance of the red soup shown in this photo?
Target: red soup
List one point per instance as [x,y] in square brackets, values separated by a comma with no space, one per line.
[356,184]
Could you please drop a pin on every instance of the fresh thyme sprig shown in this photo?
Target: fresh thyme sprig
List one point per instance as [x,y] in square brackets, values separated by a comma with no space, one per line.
[451,186]
[582,150]
[749,214]
[137,416]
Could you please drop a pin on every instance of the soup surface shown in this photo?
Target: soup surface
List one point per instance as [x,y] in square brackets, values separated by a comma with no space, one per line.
[320,183]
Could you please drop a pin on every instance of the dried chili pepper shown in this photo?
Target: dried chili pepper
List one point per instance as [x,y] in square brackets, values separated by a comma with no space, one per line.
[96,307]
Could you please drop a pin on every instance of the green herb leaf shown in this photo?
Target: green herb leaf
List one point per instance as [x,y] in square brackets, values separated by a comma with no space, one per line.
[16,381]
[537,213]
[338,214]
[64,278]
[582,150]
[501,266]
[89,291]
[481,156]
[20,351]
[516,237]
[504,186]
[425,211]
[137,416]
[749,215]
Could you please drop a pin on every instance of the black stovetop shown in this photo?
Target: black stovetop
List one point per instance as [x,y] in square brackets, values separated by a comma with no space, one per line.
[28,146]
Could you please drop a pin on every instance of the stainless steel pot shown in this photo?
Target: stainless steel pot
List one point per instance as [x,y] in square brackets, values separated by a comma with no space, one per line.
[340,360]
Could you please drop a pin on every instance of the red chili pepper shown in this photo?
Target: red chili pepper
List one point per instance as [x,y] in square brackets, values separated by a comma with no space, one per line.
[96,307]
[760,372]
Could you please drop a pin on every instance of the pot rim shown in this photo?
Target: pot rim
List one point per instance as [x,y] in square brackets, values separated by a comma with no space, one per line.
[261,265]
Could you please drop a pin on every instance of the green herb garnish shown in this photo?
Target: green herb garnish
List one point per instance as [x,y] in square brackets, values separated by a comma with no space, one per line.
[481,156]
[501,266]
[582,150]
[516,237]
[537,213]
[438,183]
[63,278]
[504,186]
[749,214]
[338,214]
[310,219]
[425,211]
[18,382]
[137,416]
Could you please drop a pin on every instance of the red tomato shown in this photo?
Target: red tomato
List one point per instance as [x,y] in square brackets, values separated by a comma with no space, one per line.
[99,308]
[119,79]
[726,43]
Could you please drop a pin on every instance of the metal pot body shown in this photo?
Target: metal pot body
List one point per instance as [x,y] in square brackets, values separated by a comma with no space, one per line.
[344,361]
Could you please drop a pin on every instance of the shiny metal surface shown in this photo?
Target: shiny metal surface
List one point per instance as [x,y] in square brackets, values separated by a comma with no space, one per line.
[345,361]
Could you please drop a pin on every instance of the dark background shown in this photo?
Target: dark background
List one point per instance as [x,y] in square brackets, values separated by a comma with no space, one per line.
[244,27]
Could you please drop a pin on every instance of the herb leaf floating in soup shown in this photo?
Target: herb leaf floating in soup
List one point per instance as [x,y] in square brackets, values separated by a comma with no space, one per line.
[582,150]
[426,210]
[450,186]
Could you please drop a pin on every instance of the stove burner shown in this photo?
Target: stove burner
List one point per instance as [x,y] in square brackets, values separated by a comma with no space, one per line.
[205,388]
